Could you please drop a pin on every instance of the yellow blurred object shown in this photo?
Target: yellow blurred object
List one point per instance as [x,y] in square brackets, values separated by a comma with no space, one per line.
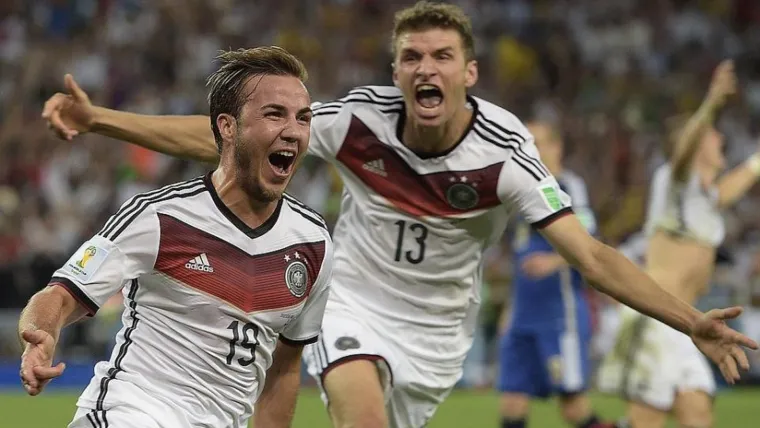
[515,61]
[717,8]
[293,41]
[9,200]
[336,184]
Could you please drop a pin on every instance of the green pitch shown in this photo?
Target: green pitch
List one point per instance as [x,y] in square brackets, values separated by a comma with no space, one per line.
[738,409]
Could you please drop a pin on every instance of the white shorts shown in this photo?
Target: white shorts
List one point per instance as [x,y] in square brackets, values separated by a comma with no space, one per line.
[604,338]
[116,417]
[127,406]
[651,362]
[413,388]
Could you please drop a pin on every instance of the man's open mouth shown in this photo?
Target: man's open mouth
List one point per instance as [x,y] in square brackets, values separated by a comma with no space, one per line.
[429,96]
[282,161]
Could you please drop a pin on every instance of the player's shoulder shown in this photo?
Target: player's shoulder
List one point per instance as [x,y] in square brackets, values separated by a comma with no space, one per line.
[146,203]
[506,139]
[498,126]
[382,99]
[310,218]
[176,194]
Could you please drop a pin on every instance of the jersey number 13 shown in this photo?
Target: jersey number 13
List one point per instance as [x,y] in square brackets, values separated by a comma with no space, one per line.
[416,254]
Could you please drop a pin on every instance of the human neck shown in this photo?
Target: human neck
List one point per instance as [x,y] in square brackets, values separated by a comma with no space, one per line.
[251,212]
[424,139]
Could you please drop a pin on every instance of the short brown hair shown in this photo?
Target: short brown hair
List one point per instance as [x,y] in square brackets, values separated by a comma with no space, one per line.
[226,85]
[425,15]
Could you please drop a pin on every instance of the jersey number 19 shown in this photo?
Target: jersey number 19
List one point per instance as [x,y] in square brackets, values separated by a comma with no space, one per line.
[240,336]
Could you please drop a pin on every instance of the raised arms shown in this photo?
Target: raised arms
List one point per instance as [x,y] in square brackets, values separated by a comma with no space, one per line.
[735,183]
[687,143]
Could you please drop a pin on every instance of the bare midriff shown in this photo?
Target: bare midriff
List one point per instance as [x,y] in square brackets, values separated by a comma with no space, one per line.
[683,266]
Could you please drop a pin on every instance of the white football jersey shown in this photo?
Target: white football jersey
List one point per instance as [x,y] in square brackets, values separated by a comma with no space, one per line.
[412,229]
[206,299]
[686,209]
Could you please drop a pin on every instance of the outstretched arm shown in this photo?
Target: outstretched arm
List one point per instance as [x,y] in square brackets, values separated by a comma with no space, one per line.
[735,183]
[188,137]
[612,273]
[723,84]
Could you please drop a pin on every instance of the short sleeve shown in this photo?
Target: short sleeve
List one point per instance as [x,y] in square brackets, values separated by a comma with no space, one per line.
[329,126]
[526,185]
[305,328]
[123,250]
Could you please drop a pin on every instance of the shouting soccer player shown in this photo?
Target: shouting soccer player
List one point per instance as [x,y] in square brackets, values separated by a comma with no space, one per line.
[431,176]
[545,349]
[657,369]
[225,277]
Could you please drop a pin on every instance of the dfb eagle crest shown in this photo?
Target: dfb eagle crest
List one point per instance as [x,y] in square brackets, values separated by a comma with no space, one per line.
[297,278]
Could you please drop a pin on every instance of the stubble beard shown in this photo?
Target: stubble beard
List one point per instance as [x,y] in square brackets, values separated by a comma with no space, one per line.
[248,176]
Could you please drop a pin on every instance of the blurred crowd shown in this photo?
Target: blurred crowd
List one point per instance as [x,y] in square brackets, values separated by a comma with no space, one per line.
[608,72]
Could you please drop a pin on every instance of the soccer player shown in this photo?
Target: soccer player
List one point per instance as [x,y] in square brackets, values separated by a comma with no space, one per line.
[225,277]
[545,350]
[651,364]
[431,177]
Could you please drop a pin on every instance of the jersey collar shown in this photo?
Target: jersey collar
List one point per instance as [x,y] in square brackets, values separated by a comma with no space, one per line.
[249,231]
[425,155]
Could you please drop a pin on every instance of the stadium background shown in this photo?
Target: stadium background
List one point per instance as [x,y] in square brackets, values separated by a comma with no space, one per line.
[607,72]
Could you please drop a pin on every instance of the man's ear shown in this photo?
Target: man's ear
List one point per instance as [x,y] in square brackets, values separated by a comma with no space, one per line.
[471,74]
[227,125]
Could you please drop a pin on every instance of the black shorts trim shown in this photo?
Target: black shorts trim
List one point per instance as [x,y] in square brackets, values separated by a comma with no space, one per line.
[355,357]
[303,342]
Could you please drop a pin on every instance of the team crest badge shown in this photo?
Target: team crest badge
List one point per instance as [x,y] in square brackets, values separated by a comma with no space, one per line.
[297,278]
[462,196]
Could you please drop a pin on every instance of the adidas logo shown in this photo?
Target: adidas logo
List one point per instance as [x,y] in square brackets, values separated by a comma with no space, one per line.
[200,263]
[377,166]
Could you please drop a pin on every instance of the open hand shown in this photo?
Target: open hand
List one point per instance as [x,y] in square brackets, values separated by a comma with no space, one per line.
[69,114]
[723,83]
[722,344]
[36,361]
